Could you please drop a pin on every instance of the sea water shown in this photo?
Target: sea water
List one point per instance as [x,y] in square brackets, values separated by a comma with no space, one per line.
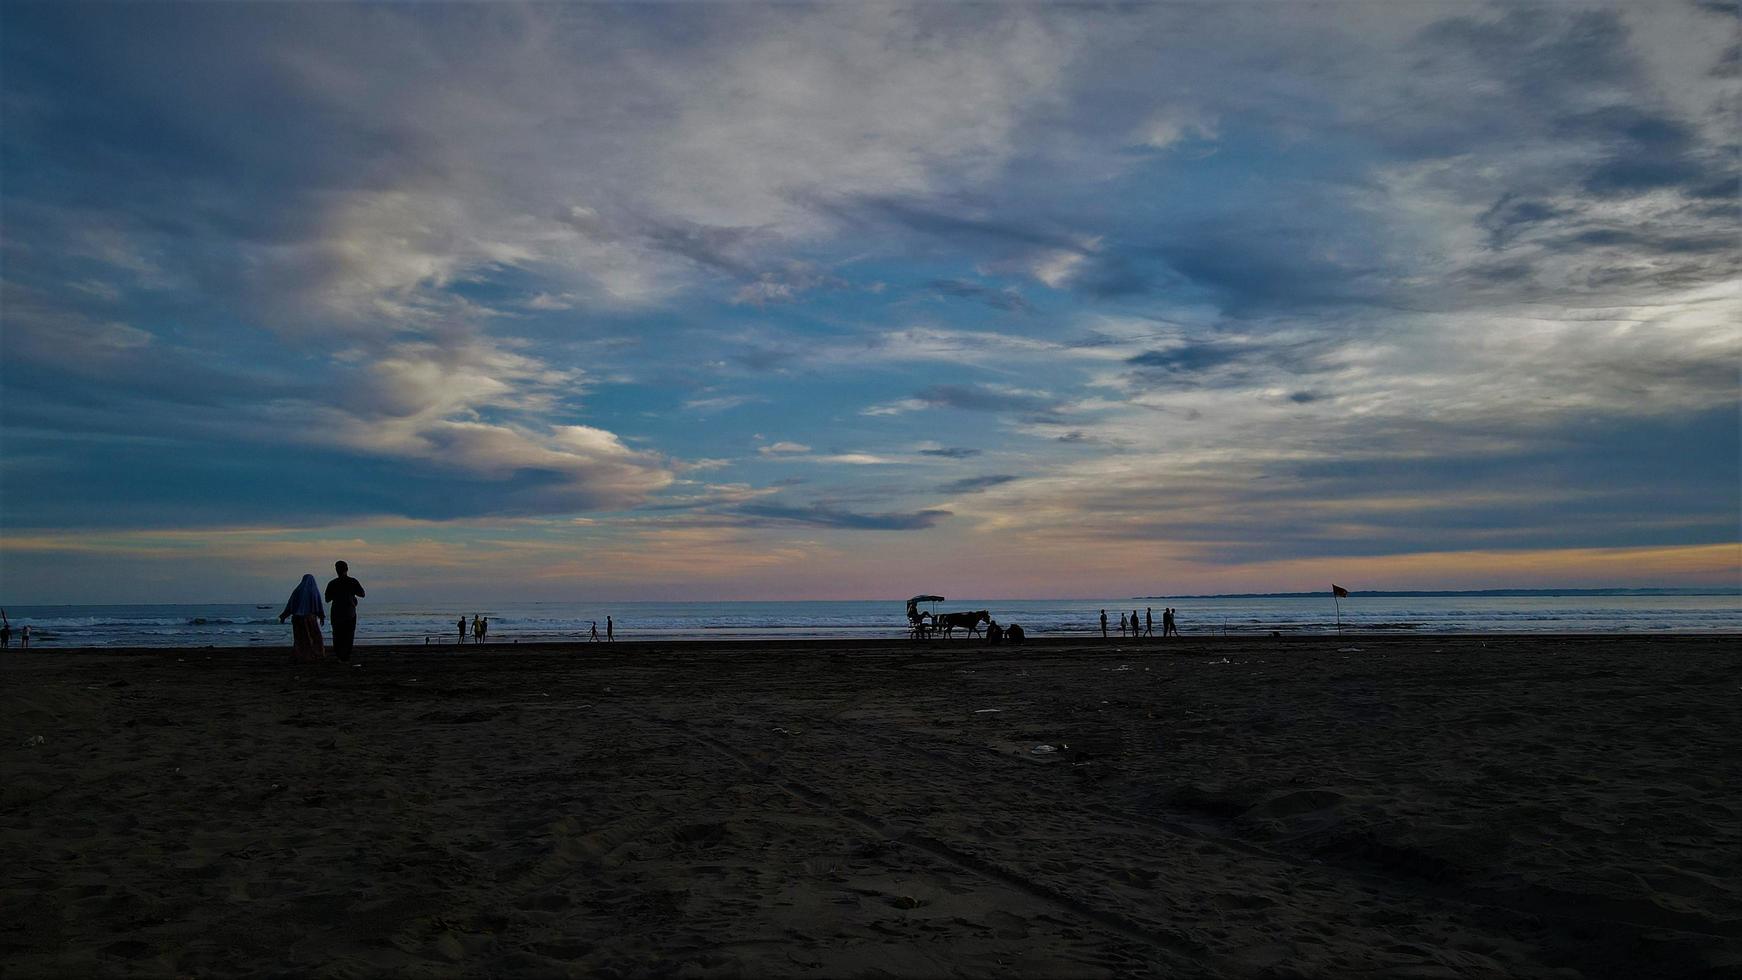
[387,621]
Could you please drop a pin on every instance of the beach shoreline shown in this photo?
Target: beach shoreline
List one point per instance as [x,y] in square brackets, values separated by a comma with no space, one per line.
[1188,643]
[1372,804]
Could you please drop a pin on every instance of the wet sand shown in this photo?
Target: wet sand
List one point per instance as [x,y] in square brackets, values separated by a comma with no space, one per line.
[1417,807]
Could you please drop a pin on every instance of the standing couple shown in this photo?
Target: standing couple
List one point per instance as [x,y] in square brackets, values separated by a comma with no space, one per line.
[307,612]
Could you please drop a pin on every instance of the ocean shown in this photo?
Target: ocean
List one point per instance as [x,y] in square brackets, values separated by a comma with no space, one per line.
[241,625]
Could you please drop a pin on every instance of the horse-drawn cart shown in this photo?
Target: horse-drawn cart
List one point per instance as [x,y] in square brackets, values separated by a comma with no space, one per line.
[920,621]
[928,623]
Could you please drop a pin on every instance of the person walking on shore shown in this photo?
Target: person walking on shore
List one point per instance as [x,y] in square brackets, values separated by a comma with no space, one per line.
[5,631]
[343,592]
[24,637]
[306,613]
[484,629]
[1148,620]
[595,638]
[1103,624]
[1121,625]
[462,629]
[610,630]
[1135,633]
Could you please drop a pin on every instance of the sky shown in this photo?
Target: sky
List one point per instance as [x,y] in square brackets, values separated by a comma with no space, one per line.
[730,301]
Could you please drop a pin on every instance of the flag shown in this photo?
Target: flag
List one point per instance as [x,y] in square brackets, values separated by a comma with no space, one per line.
[1339,591]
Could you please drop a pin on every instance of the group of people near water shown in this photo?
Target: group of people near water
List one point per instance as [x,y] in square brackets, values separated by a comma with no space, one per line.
[6,633]
[307,612]
[1135,627]
[480,628]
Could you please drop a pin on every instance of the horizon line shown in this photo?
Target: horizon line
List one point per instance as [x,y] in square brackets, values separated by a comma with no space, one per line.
[1617,591]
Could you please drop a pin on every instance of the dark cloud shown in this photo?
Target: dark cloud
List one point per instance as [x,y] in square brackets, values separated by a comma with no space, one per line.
[999,299]
[715,247]
[831,517]
[1224,363]
[1510,214]
[958,220]
[1587,485]
[1190,357]
[951,452]
[1547,62]
[1643,242]
[975,484]
[980,398]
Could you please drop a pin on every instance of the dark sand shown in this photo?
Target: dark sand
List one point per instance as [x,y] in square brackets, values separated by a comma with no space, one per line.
[1425,807]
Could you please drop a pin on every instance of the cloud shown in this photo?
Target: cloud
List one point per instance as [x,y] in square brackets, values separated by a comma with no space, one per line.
[1005,299]
[972,398]
[1175,125]
[975,484]
[854,459]
[1249,253]
[722,403]
[823,516]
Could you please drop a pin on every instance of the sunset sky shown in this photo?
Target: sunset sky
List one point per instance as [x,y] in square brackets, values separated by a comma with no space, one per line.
[715,301]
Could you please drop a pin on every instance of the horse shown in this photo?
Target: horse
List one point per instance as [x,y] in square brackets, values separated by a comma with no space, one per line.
[969,621]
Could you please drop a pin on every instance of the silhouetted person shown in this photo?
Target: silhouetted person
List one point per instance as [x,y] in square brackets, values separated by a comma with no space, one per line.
[462,628]
[5,630]
[1121,624]
[1014,633]
[484,629]
[306,612]
[1168,627]
[1134,633]
[994,632]
[610,630]
[343,592]
[1148,620]
[24,637]
[1103,624]
[595,631]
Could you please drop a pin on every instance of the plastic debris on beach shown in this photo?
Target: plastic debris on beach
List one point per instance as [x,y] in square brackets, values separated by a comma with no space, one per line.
[987,711]
[1348,649]
[34,740]
[1044,749]
[1224,660]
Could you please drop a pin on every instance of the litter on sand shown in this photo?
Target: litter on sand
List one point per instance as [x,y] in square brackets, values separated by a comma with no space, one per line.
[987,711]
[1044,749]
[1348,649]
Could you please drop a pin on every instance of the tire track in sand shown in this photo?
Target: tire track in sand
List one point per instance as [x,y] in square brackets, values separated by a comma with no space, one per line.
[1184,951]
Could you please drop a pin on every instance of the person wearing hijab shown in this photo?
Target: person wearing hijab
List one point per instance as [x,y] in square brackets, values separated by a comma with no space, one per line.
[306,610]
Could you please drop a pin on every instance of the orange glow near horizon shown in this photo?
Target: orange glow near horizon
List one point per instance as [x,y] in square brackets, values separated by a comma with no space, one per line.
[703,563]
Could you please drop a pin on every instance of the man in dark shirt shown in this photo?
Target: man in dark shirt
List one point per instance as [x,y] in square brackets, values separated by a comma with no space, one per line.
[343,592]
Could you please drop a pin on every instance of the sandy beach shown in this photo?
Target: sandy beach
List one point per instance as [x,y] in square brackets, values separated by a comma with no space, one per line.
[1416,807]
